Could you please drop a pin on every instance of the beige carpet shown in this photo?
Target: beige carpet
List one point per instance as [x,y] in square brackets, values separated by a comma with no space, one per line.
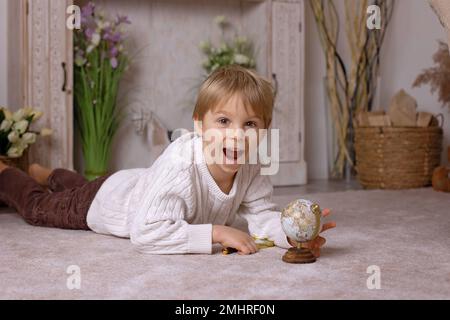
[405,233]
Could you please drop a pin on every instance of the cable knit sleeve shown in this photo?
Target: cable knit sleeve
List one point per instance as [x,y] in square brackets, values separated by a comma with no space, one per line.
[161,224]
[261,213]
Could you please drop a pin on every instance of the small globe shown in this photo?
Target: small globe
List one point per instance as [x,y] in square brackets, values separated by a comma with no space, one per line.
[301,220]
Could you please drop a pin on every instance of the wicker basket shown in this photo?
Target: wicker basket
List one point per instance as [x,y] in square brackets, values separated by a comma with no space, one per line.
[20,163]
[397,158]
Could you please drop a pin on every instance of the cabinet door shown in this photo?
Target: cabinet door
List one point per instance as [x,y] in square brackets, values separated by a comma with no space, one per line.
[48,79]
[288,68]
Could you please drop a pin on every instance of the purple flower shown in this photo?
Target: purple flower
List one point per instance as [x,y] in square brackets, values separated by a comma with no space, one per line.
[98,30]
[116,37]
[88,23]
[114,62]
[113,52]
[107,33]
[122,19]
[89,33]
[88,10]
[110,36]
[87,14]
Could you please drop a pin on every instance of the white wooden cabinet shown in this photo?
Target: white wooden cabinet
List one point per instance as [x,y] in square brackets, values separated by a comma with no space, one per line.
[168,31]
[287,61]
[41,58]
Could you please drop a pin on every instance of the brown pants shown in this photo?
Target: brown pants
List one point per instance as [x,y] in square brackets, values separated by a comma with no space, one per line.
[65,206]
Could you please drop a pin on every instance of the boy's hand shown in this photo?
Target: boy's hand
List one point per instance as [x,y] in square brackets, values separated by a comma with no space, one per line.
[234,238]
[319,241]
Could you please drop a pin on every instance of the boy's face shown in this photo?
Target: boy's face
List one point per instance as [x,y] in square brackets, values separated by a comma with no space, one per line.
[230,133]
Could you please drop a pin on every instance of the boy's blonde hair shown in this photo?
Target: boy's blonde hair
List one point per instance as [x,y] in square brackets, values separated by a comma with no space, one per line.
[255,92]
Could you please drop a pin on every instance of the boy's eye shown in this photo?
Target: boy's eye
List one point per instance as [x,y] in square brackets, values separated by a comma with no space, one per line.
[226,121]
[223,121]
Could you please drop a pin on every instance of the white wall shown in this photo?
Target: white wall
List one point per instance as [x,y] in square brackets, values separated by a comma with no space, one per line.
[3,53]
[409,45]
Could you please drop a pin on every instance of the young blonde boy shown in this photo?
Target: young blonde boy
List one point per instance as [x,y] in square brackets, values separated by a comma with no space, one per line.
[189,198]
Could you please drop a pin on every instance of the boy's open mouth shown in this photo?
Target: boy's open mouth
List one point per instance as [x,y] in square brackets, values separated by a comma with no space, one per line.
[232,154]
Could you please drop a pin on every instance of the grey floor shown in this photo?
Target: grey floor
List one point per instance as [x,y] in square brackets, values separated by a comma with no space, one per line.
[397,239]
[318,186]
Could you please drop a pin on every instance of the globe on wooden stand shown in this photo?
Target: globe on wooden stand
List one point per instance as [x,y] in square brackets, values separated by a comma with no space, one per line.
[299,255]
[301,221]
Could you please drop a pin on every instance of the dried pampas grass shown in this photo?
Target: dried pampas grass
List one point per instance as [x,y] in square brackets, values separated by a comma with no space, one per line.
[438,77]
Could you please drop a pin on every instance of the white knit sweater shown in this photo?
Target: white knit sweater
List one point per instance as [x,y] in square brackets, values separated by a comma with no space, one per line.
[170,207]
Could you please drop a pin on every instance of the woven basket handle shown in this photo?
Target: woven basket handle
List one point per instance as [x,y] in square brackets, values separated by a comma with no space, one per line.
[440,115]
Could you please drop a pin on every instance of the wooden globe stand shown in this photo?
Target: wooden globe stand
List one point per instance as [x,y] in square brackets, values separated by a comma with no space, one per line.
[299,255]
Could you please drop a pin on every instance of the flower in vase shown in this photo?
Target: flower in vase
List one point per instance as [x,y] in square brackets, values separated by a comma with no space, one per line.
[29,138]
[89,33]
[46,132]
[27,111]
[19,115]
[95,39]
[113,52]
[90,48]
[236,50]
[16,135]
[116,37]
[102,25]
[36,115]
[21,126]
[114,63]
[88,10]
[80,60]
[13,136]
[6,125]
[215,67]
[99,63]
[15,152]
[122,20]
[241,59]
[17,149]
[8,114]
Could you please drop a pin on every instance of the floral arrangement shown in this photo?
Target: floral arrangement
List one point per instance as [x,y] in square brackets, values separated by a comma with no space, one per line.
[438,77]
[238,50]
[99,64]
[15,133]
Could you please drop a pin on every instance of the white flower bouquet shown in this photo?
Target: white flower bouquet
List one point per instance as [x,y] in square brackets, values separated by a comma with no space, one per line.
[237,50]
[15,133]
